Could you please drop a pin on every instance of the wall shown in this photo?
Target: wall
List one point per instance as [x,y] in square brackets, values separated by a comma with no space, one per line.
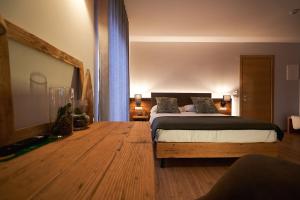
[61,24]
[67,24]
[210,67]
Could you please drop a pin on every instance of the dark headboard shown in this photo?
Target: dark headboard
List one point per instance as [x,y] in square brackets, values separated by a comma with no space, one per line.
[182,98]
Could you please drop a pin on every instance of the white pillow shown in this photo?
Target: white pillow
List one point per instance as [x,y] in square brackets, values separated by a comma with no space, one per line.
[189,108]
[153,109]
[296,122]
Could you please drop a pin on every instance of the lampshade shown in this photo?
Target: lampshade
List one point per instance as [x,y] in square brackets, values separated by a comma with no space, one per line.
[226,97]
[137,96]
[138,99]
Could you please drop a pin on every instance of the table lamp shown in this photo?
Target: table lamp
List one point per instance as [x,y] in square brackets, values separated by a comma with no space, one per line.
[138,100]
[226,98]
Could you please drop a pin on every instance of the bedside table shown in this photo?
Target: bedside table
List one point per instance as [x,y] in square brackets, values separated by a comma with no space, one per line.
[140,117]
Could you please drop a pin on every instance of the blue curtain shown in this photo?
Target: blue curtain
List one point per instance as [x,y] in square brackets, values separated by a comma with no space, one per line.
[118,49]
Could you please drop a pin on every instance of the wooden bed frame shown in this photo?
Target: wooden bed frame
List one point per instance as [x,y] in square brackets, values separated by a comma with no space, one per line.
[206,149]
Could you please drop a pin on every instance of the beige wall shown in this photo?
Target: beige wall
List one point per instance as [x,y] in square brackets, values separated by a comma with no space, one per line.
[209,67]
[66,24]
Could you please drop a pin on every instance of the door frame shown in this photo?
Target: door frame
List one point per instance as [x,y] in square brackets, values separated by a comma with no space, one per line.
[272,58]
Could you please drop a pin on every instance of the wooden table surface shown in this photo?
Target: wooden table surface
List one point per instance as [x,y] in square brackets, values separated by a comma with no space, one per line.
[110,160]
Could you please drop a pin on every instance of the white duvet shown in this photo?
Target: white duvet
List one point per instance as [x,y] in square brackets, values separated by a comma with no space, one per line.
[154,115]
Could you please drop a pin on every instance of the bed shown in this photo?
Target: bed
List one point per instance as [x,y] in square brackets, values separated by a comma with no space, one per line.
[207,148]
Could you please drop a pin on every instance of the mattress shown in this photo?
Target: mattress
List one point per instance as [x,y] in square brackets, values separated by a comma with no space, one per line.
[216,136]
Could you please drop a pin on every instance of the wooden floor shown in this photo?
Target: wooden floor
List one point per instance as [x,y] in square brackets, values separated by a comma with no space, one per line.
[290,148]
[192,178]
[189,178]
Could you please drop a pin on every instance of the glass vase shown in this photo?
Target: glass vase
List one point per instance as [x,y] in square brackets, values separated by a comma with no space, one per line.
[61,100]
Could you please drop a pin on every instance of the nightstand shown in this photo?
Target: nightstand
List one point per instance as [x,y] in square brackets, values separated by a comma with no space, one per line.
[140,117]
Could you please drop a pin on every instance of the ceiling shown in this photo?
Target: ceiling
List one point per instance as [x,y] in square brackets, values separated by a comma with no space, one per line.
[213,20]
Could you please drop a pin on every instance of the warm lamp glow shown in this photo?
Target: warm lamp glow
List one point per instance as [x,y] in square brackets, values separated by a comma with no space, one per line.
[138,100]
[226,97]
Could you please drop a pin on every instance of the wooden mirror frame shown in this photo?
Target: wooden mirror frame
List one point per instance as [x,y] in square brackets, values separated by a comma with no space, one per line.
[8,30]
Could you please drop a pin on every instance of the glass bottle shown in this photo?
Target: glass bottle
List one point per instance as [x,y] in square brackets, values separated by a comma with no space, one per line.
[61,101]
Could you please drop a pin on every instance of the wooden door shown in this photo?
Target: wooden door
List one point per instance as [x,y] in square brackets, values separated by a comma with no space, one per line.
[256,84]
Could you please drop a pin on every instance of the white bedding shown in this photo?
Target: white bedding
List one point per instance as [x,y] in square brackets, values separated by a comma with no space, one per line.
[221,136]
[154,115]
[218,136]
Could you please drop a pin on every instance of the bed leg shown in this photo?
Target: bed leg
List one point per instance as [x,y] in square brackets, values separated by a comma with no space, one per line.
[162,163]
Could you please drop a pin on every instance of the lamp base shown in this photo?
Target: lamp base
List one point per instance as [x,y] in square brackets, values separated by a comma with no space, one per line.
[223,103]
[138,110]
